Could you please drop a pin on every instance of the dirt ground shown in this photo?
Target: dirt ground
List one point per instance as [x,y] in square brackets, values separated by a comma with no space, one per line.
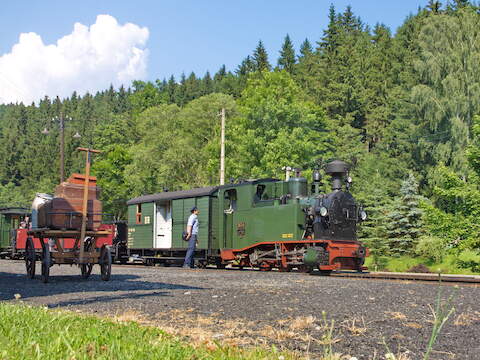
[304,313]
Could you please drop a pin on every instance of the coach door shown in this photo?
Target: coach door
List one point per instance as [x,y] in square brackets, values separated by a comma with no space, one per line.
[230,206]
[163,225]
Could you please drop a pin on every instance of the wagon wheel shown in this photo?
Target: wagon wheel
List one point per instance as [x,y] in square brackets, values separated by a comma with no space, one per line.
[105,263]
[86,269]
[30,258]
[46,262]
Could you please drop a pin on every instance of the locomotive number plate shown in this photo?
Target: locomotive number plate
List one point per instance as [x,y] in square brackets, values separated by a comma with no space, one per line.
[241,229]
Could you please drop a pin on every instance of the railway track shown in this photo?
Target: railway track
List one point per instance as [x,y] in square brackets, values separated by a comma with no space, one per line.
[427,277]
[445,278]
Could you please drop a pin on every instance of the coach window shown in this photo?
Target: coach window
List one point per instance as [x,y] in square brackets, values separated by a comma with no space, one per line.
[259,194]
[230,201]
[139,213]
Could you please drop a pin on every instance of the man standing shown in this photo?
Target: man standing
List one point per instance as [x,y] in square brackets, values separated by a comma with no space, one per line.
[192,233]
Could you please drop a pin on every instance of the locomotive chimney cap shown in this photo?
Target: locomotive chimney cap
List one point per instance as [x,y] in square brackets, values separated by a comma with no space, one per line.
[337,167]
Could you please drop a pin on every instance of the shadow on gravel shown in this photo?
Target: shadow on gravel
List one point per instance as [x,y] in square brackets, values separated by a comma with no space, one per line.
[11,284]
[104,299]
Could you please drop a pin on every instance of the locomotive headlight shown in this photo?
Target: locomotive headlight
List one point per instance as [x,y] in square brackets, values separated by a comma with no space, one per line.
[363,215]
[349,180]
[323,211]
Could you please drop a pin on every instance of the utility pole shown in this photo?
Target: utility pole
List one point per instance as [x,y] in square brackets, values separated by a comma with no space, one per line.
[62,148]
[83,229]
[222,150]
[61,119]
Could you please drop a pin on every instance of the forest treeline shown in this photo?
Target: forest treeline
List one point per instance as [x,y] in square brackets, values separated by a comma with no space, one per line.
[403,109]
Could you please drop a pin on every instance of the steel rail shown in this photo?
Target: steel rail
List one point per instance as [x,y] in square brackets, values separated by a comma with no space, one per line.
[447,278]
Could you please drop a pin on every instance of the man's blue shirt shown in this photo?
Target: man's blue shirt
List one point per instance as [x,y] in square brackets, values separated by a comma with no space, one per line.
[193,222]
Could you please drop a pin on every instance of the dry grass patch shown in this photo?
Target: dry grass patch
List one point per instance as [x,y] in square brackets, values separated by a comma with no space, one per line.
[413,325]
[353,328]
[302,322]
[213,331]
[400,356]
[396,315]
[467,318]
[278,334]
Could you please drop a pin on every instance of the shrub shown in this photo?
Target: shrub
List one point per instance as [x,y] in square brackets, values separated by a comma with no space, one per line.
[469,259]
[431,247]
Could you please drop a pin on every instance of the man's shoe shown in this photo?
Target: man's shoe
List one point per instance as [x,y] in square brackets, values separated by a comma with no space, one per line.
[185,267]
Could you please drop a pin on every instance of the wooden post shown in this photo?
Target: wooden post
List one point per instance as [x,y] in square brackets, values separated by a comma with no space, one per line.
[222,150]
[62,148]
[85,198]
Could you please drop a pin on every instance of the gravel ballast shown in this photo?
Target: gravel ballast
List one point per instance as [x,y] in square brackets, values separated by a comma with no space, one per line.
[289,310]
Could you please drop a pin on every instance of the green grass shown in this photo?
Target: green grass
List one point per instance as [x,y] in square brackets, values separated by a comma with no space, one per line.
[38,333]
[449,265]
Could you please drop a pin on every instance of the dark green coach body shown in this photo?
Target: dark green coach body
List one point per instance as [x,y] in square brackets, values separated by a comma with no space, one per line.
[231,216]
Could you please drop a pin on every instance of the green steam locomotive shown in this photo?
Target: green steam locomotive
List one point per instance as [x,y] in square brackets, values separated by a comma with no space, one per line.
[265,223]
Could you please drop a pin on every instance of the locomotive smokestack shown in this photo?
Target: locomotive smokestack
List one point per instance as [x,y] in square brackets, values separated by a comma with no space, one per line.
[337,170]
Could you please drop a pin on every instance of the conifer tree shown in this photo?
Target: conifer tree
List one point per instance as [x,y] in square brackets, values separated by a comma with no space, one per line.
[434,6]
[245,67]
[373,231]
[180,96]
[221,73]
[260,58]
[207,84]
[171,89]
[459,4]
[447,94]
[192,87]
[122,101]
[306,48]
[404,219]
[329,41]
[286,61]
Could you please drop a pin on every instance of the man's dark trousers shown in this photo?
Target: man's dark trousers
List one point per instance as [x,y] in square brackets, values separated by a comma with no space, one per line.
[192,244]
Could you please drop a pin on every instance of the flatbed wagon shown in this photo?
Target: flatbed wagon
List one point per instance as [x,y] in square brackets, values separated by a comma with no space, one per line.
[85,251]
[85,254]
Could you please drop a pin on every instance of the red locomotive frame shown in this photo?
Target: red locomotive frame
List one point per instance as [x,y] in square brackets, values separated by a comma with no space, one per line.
[342,254]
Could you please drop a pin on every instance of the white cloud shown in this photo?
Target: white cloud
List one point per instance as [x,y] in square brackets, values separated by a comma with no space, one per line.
[88,59]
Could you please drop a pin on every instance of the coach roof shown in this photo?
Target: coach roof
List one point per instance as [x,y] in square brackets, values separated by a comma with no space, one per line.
[171,195]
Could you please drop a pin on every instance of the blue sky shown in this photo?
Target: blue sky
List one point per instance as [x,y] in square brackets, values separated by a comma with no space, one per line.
[197,36]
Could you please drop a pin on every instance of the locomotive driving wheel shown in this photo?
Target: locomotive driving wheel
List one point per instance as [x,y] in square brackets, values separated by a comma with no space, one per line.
[265,266]
[286,268]
[46,263]
[324,272]
[105,263]
[86,269]
[305,269]
[30,258]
